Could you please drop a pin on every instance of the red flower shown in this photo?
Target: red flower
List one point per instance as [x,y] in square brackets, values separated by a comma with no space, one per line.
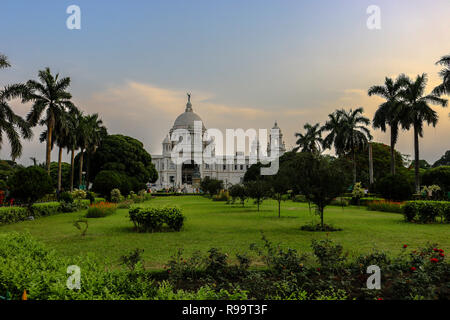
[441,254]
[413,268]
[440,250]
[435,250]
[318,269]
[405,246]
[434,260]
[380,299]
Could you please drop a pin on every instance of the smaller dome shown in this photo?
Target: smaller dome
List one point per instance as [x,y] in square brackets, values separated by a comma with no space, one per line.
[166,140]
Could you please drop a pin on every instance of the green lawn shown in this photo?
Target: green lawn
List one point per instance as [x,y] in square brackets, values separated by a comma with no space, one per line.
[231,228]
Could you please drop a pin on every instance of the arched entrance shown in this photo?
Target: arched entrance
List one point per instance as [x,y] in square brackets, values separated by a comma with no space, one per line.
[190,173]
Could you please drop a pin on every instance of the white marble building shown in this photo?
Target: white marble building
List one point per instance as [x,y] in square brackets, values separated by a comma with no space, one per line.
[186,177]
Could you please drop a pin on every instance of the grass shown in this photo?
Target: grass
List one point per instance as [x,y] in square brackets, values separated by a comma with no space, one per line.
[231,228]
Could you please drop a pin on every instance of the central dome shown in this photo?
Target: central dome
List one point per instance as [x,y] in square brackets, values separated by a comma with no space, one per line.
[187,118]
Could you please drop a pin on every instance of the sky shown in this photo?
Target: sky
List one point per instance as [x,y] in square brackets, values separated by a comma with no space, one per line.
[246,63]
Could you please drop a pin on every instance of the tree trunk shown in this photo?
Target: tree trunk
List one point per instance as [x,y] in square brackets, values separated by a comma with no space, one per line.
[59,168]
[416,159]
[321,217]
[72,169]
[279,208]
[354,166]
[392,153]
[88,166]
[49,145]
[80,175]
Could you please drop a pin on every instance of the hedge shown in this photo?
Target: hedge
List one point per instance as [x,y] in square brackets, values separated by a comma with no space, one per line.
[427,211]
[154,219]
[16,214]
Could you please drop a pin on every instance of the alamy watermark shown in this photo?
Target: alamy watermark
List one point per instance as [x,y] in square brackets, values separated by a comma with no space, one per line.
[200,146]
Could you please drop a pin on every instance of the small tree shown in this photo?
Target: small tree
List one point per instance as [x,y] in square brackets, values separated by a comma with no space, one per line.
[279,186]
[238,191]
[28,185]
[211,186]
[257,190]
[357,192]
[320,179]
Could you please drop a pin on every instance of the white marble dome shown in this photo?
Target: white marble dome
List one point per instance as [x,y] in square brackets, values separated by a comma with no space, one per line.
[187,118]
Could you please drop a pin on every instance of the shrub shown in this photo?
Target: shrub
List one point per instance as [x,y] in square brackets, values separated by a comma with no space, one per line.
[439,176]
[79,194]
[154,219]
[222,196]
[385,206]
[91,197]
[395,187]
[300,198]
[29,185]
[66,197]
[105,181]
[426,211]
[340,201]
[102,209]
[116,196]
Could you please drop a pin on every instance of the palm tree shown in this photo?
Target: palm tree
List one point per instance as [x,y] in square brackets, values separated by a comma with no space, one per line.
[10,123]
[61,132]
[90,133]
[49,96]
[444,87]
[348,132]
[71,141]
[416,112]
[311,141]
[4,63]
[388,112]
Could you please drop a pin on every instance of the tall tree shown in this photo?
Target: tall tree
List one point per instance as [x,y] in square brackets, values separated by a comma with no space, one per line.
[11,124]
[347,132]
[311,141]
[72,141]
[444,87]
[49,97]
[388,112]
[90,133]
[61,133]
[417,111]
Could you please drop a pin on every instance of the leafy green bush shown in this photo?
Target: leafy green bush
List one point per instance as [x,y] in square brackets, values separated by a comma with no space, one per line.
[153,219]
[396,187]
[105,181]
[427,211]
[29,185]
[100,210]
[66,197]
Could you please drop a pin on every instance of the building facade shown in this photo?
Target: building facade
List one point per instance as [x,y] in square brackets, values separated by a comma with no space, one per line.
[186,177]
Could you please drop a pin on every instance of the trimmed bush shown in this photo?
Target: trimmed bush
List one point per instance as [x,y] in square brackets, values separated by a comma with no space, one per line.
[154,219]
[100,210]
[427,211]
[15,214]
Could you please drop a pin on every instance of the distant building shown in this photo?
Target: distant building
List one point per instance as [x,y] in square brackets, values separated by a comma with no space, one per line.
[187,176]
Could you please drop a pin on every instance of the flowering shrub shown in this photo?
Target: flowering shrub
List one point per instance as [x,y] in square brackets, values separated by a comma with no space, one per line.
[154,219]
[385,206]
[222,196]
[79,194]
[116,196]
[102,209]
